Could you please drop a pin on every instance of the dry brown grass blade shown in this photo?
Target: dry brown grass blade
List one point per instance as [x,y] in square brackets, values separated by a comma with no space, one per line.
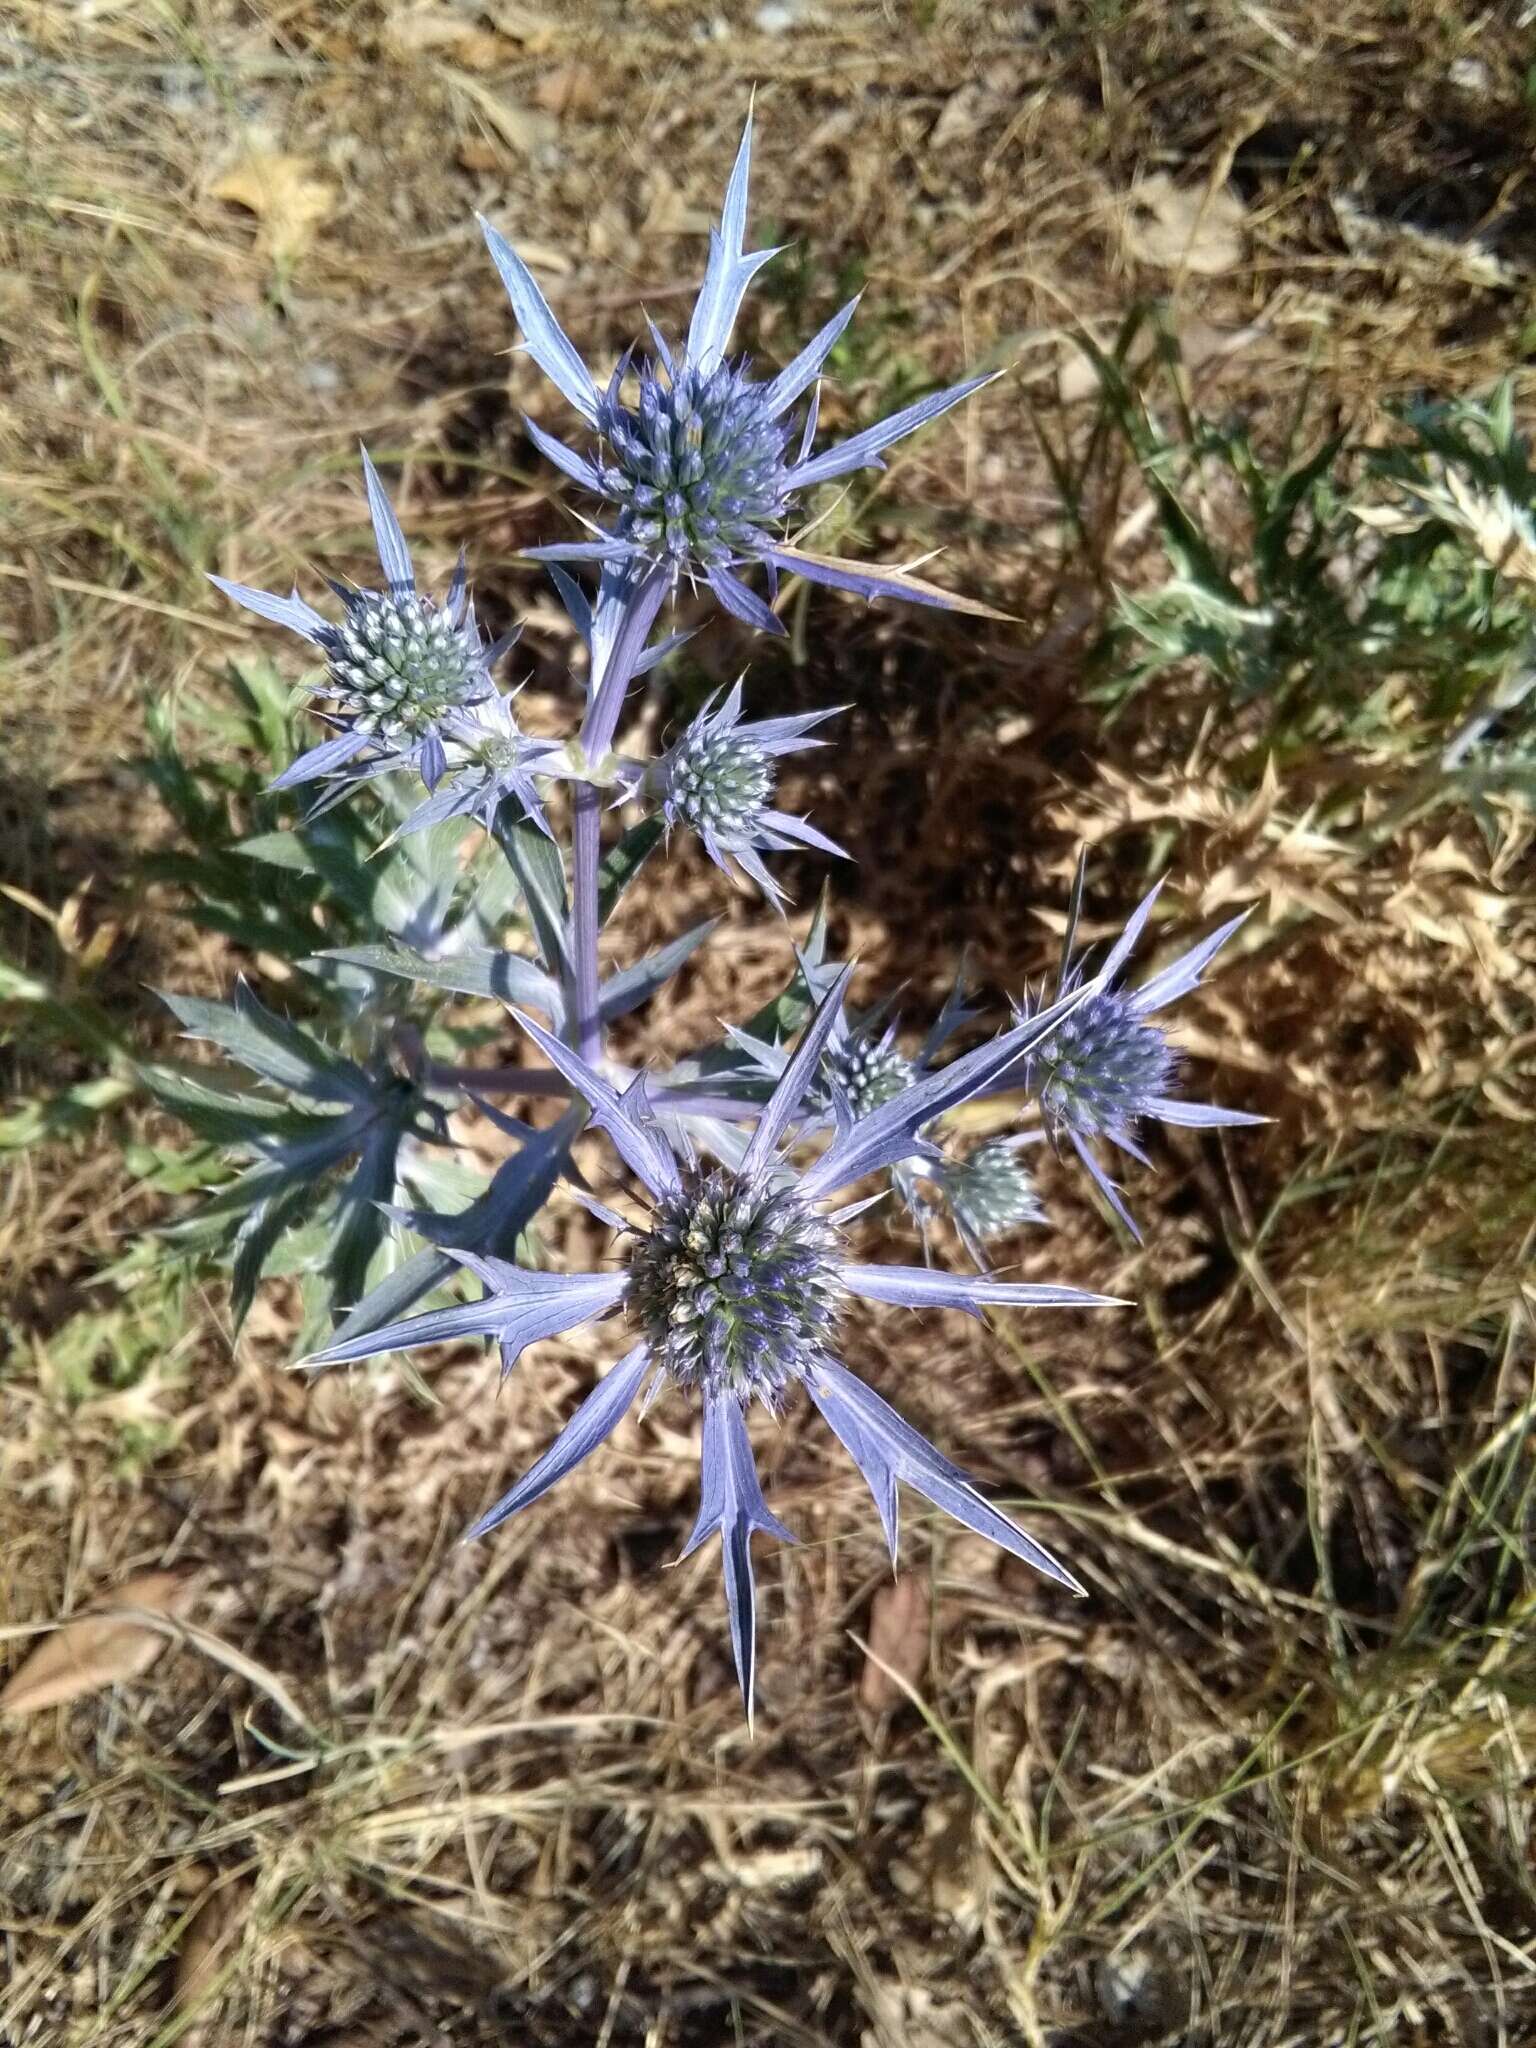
[109,1643]
[898,583]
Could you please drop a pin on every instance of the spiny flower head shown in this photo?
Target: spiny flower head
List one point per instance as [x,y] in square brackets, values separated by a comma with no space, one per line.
[699,463]
[717,778]
[734,1292]
[735,1285]
[869,1072]
[399,665]
[990,1193]
[404,674]
[696,466]
[1102,1069]
[1107,1066]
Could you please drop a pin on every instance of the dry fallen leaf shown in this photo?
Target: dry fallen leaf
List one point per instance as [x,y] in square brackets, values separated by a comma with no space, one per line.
[430,30]
[100,1647]
[286,197]
[525,130]
[211,1938]
[1186,228]
[568,89]
[898,1637]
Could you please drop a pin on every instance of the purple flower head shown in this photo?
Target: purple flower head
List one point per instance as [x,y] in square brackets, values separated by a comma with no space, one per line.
[718,780]
[705,466]
[404,674]
[1108,1066]
[734,1291]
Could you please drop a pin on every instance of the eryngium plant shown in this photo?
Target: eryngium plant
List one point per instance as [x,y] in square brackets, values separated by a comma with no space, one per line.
[734,1270]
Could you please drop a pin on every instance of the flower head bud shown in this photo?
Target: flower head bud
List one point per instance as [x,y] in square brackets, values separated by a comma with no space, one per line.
[869,1072]
[718,778]
[718,781]
[991,1192]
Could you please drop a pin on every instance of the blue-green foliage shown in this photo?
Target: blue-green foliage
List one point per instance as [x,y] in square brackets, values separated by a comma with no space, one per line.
[1377,594]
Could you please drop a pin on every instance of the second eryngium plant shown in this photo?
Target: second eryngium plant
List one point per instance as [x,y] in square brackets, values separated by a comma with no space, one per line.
[735,1277]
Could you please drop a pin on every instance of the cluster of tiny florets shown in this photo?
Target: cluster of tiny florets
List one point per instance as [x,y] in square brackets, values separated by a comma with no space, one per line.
[869,1073]
[992,1192]
[735,1286]
[697,463]
[1100,1068]
[717,781]
[403,665]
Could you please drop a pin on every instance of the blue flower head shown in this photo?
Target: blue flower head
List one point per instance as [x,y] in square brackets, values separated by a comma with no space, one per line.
[405,676]
[734,1292]
[1108,1066]
[718,777]
[705,466]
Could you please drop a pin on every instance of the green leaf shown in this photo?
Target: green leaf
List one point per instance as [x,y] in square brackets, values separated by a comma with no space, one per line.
[626,991]
[271,1046]
[509,977]
[225,1115]
[259,1232]
[278,850]
[362,1223]
[623,862]
[536,862]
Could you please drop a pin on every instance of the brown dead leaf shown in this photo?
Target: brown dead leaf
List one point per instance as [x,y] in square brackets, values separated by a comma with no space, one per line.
[433,30]
[898,1638]
[100,1647]
[1184,228]
[212,1937]
[286,197]
[568,89]
[525,130]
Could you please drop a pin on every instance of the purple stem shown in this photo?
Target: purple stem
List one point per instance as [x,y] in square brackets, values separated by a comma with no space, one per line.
[500,1080]
[641,605]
